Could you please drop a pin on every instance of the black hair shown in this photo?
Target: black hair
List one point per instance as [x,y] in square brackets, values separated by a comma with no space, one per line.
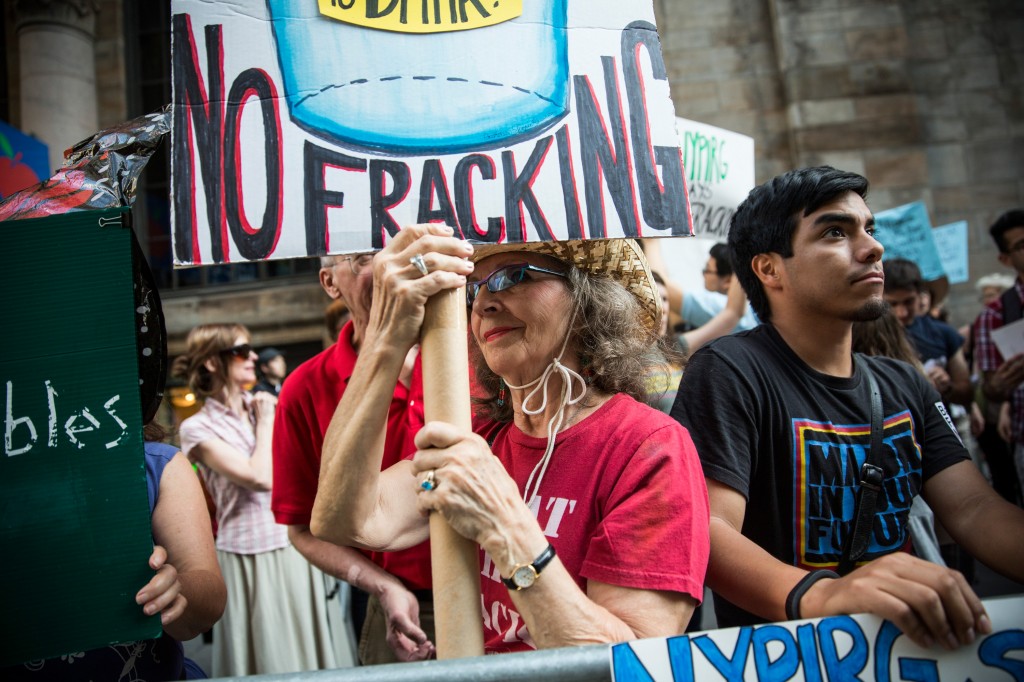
[1004,224]
[901,274]
[768,217]
[723,258]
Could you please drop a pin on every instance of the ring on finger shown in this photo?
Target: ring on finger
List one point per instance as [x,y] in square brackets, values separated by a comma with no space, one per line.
[429,482]
[420,264]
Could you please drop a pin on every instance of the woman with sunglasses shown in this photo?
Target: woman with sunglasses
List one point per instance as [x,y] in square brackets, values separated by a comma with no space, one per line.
[275,620]
[588,505]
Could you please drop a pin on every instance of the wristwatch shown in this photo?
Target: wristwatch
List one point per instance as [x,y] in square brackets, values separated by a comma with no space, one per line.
[525,575]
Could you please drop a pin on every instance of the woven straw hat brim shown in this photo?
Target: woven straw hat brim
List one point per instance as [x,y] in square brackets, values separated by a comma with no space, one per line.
[620,259]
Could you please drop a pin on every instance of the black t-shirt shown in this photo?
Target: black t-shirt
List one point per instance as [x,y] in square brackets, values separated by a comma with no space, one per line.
[792,441]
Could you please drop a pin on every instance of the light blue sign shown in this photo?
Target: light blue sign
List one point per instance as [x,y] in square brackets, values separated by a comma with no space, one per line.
[906,232]
[951,242]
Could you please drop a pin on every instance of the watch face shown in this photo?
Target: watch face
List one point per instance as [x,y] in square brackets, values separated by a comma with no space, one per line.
[524,576]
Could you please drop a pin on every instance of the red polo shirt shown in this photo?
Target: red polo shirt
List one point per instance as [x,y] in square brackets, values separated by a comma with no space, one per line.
[305,407]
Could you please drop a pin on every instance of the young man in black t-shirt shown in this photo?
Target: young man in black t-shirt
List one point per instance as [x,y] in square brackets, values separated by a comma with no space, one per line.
[781,418]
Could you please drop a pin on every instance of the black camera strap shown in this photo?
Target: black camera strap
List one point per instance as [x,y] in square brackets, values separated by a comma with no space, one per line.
[871,479]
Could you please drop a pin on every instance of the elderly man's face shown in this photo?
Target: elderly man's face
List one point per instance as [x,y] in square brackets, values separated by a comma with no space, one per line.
[340,281]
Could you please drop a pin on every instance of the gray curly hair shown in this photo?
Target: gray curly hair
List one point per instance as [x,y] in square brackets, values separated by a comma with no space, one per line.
[617,352]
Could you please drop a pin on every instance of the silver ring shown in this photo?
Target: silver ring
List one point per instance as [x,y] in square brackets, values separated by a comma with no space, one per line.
[418,261]
[428,482]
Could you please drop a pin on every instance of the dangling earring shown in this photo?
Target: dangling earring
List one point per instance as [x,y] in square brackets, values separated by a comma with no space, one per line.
[501,394]
[588,371]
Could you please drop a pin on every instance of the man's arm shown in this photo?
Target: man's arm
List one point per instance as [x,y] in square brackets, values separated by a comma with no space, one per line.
[929,603]
[406,638]
[966,504]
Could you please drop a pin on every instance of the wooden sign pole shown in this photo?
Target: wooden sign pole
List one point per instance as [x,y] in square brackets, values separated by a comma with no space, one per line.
[454,559]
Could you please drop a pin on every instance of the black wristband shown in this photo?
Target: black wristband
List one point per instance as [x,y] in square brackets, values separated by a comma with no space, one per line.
[800,589]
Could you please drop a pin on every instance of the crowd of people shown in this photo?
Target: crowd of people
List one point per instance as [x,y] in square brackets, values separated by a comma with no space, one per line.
[616,464]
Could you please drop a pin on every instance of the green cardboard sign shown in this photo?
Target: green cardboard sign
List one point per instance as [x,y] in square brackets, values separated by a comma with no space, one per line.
[75,531]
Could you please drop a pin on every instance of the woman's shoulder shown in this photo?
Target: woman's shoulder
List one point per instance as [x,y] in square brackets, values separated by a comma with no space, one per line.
[624,413]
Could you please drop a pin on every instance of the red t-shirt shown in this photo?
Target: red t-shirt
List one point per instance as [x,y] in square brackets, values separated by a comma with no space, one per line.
[304,410]
[623,502]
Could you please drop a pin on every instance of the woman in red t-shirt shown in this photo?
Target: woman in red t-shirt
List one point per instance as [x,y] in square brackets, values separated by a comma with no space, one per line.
[566,476]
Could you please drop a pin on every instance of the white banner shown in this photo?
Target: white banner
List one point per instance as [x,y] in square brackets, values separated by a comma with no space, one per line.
[305,127]
[849,648]
[719,174]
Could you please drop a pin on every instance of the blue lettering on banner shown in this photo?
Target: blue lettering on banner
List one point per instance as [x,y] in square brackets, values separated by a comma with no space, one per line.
[993,650]
[834,649]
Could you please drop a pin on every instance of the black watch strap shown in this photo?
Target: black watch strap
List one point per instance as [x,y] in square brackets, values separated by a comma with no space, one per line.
[542,560]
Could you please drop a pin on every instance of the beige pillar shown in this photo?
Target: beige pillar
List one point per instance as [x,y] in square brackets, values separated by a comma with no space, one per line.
[56,44]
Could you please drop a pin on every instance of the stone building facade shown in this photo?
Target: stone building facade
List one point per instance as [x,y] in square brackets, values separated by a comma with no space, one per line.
[925,98]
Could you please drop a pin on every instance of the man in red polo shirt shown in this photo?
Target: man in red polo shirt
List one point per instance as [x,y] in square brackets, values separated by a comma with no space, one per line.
[398,624]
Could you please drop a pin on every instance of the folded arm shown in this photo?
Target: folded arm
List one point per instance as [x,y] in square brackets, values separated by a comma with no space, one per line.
[357,503]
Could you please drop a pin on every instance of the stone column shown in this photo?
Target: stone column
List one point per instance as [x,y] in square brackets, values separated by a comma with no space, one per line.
[56,44]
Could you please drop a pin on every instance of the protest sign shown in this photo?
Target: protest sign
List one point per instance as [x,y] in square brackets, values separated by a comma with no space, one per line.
[859,647]
[906,232]
[75,532]
[951,244]
[719,167]
[719,174]
[303,128]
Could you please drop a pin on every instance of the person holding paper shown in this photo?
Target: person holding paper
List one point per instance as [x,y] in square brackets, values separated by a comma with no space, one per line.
[1003,377]
[588,505]
[784,417]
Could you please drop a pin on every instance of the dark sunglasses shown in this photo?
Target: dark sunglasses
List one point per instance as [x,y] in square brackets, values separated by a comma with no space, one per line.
[505,278]
[241,351]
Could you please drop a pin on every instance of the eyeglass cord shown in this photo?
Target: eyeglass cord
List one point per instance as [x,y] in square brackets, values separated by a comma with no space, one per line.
[555,367]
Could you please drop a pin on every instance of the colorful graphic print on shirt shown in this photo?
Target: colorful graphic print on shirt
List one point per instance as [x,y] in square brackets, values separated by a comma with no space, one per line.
[828,459]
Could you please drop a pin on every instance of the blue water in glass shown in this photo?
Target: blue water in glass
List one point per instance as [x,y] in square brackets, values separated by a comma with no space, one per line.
[423,94]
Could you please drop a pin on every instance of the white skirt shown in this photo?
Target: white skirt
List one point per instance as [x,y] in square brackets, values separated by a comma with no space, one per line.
[277,616]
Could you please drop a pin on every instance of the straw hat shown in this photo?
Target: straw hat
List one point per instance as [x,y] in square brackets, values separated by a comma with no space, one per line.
[620,259]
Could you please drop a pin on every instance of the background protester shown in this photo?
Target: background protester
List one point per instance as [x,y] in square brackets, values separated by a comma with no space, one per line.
[1003,378]
[275,620]
[939,347]
[392,604]
[271,368]
[587,504]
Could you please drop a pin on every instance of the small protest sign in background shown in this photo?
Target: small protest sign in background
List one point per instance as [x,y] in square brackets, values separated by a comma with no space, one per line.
[906,232]
[305,127]
[951,243]
[719,167]
[74,527]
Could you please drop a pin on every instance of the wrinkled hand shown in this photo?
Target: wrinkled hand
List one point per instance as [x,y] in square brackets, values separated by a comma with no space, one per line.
[264,404]
[929,603]
[405,637]
[162,594]
[401,291]
[473,491]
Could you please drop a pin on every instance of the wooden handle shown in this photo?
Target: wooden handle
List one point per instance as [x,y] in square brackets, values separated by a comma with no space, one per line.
[454,559]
